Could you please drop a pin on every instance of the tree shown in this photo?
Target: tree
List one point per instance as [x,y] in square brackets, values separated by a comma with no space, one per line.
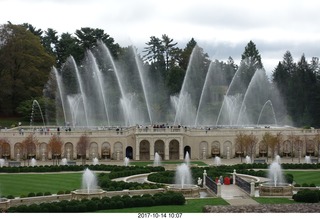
[251,61]
[89,37]
[29,147]
[24,67]
[4,148]
[268,142]
[251,142]
[240,143]
[82,147]
[68,46]
[50,41]
[55,145]
[169,50]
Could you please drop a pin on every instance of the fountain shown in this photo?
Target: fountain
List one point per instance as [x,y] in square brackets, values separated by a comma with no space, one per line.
[33,162]
[157,160]
[276,186]
[278,159]
[307,159]
[64,161]
[2,162]
[33,114]
[183,182]
[217,161]
[95,161]
[89,187]
[123,97]
[248,160]
[126,161]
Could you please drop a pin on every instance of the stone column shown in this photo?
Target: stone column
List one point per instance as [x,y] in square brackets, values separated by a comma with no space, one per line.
[152,146]
[166,149]
[234,177]
[181,150]
[219,189]
[252,189]
[137,149]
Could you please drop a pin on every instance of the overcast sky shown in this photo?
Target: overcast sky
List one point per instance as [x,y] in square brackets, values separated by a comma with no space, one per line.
[222,28]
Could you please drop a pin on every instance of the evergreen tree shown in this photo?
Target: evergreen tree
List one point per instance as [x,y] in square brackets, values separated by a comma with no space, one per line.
[251,61]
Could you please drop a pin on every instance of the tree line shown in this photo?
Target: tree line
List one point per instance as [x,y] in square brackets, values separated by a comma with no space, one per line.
[27,55]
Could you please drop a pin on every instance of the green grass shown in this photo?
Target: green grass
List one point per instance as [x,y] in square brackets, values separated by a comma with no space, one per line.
[145,163]
[191,206]
[308,176]
[264,200]
[23,184]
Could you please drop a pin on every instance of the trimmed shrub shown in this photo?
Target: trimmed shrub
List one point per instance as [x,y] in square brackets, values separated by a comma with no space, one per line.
[307,196]
[39,194]
[47,193]
[31,194]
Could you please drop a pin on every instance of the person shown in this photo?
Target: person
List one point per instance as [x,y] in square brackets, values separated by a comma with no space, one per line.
[221,180]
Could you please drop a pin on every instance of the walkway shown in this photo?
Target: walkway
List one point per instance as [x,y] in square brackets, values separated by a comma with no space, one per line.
[235,196]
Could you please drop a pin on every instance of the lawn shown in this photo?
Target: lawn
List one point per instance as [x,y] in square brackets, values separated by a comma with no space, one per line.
[308,176]
[23,184]
[191,206]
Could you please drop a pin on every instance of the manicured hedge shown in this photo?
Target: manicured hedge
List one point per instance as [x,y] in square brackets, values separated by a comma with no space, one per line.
[96,204]
[307,195]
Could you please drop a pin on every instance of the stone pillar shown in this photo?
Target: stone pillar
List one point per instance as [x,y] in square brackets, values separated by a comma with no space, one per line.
[181,152]
[137,149]
[234,177]
[166,149]
[152,146]
[252,189]
[219,189]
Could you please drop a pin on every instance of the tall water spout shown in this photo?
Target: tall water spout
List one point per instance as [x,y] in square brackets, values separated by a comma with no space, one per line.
[100,83]
[89,180]
[83,95]
[275,173]
[60,91]
[143,83]
[183,175]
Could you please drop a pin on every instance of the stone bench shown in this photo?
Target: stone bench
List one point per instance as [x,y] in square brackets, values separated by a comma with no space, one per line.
[259,161]
[14,163]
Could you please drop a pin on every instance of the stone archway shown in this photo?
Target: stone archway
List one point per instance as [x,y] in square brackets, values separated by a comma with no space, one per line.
[310,148]
[43,151]
[227,150]
[106,150]
[185,150]
[159,148]
[93,151]
[144,150]
[18,151]
[68,151]
[5,150]
[203,150]
[215,149]
[174,150]
[129,152]
[118,151]
[287,148]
